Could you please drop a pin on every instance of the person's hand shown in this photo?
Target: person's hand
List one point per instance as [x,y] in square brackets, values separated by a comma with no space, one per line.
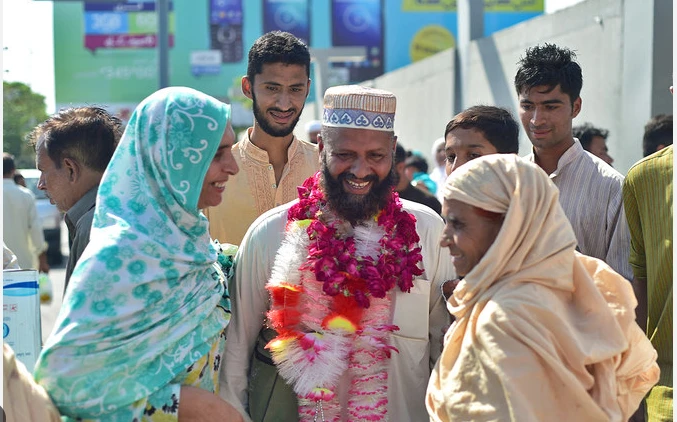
[43,266]
[448,288]
[197,405]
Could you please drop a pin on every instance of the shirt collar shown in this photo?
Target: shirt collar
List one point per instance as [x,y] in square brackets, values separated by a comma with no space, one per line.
[80,208]
[261,155]
[569,156]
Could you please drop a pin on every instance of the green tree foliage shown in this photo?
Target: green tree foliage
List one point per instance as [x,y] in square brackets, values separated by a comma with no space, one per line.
[23,109]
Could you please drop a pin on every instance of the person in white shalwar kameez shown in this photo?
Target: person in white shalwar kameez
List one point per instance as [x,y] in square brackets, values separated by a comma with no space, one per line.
[399,331]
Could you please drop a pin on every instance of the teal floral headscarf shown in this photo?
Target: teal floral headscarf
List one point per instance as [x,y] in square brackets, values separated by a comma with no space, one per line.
[141,304]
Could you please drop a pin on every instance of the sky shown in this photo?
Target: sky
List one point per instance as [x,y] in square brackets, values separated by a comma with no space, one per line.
[27,54]
[27,41]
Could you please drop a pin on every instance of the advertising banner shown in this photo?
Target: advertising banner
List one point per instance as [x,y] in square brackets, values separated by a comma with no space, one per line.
[105,53]
[225,29]
[122,25]
[291,16]
[360,23]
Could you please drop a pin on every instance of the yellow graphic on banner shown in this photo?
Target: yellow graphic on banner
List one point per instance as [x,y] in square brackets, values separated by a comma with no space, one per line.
[428,5]
[430,40]
[489,5]
[514,5]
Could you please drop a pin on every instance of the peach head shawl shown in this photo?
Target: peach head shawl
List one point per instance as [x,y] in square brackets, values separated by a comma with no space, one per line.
[542,333]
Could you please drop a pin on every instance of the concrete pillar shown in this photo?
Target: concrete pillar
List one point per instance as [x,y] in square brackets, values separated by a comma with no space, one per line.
[162,9]
[322,57]
[470,16]
[661,101]
[647,68]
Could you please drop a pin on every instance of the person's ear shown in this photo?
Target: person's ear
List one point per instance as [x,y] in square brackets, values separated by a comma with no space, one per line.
[394,143]
[577,107]
[308,88]
[320,142]
[247,87]
[73,169]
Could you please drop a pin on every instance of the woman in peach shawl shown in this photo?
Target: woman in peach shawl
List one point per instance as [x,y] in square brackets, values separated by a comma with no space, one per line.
[542,333]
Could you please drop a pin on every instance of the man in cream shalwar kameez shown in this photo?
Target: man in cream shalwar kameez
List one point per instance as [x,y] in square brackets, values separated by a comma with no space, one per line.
[542,333]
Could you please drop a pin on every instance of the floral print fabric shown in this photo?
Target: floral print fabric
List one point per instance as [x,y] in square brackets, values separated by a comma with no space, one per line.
[142,304]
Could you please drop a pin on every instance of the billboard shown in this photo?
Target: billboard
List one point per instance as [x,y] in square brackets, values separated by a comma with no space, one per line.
[292,16]
[122,25]
[105,53]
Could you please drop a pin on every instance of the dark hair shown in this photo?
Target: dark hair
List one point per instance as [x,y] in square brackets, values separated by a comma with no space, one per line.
[418,162]
[400,154]
[657,132]
[8,165]
[496,124]
[549,65]
[277,47]
[586,132]
[88,135]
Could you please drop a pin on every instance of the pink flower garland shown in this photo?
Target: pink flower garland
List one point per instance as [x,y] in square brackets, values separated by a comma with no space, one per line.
[332,257]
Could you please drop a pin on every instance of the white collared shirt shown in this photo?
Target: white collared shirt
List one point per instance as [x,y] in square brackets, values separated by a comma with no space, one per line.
[591,194]
[22,229]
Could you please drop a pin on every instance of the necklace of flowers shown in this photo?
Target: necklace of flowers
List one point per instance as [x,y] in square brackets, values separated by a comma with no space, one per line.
[332,253]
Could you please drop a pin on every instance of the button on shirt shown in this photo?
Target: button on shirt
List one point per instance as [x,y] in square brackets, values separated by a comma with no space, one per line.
[591,194]
[253,190]
[22,229]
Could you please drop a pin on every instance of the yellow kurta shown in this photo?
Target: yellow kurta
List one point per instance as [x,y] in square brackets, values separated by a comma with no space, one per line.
[253,190]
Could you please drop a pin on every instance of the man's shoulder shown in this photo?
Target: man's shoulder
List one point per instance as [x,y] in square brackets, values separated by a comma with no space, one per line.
[660,162]
[84,223]
[306,146]
[423,213]
[414,194]
[274,217]
[308,150]
[83,206]
[600,171]
[18,191]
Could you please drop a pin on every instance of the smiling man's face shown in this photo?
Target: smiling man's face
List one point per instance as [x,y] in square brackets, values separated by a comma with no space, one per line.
[357,166]
[279,93]
[547,115]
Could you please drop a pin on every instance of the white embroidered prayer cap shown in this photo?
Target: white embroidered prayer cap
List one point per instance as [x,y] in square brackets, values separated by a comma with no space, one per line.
[355,106]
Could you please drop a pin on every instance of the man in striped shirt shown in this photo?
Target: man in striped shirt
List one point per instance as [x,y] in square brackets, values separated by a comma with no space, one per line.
[548,84]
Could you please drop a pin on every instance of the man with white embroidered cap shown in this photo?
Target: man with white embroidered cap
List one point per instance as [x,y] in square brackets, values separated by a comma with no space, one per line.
[348,280]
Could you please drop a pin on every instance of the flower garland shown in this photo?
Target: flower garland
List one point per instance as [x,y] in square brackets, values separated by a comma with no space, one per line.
[329,303]
[332,255]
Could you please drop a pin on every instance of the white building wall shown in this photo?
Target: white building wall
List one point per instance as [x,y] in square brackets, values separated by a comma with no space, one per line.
[615,46]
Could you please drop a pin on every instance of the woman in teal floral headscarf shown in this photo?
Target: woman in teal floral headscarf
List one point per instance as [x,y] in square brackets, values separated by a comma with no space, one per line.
[143,318]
